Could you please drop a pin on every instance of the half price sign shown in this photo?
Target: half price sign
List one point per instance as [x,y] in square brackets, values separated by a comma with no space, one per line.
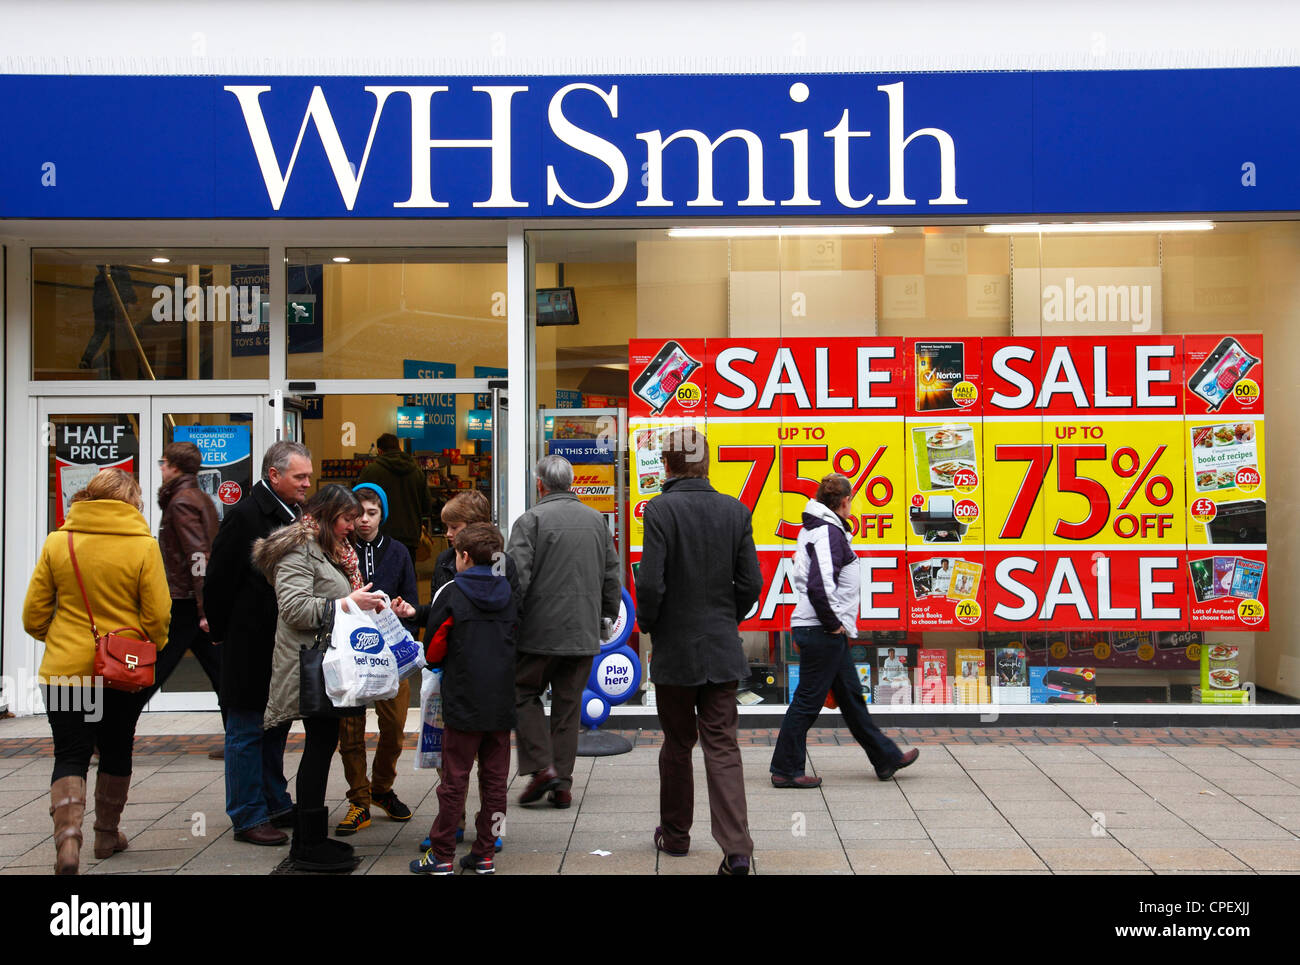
[998,483]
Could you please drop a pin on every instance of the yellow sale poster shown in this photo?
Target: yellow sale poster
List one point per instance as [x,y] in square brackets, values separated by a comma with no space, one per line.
[1113,481]
[774,468]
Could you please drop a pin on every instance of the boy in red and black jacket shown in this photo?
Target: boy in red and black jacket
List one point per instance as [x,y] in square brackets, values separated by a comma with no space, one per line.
[471,633]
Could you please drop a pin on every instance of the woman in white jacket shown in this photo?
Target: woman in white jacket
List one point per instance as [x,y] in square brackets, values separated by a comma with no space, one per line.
[825,618]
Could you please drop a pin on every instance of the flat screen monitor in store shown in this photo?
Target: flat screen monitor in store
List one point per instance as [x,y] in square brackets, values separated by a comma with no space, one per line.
[556,306]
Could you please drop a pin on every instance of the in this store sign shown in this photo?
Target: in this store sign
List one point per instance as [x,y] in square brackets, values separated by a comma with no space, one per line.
[1008,484]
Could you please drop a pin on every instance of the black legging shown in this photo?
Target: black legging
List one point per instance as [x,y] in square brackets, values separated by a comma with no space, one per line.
[83,719]
[317,753]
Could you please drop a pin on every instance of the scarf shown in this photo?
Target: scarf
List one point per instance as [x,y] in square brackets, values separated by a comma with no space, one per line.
[345,557]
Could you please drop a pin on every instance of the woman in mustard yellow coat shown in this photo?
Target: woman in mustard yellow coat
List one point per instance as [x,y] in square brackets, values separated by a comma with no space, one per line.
[125,581]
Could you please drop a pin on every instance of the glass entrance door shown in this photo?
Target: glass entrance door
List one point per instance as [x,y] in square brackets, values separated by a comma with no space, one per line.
[83,436]
[231,435]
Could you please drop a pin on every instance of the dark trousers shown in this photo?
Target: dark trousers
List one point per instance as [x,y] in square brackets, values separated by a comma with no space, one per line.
[317,752]
[709,713]
[459,748]
[543,745]
[85,719]
[185,634]
[825,666]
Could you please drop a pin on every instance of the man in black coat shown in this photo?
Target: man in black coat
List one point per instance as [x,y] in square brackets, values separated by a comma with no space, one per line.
[241,609]
[407,489]
[697,579]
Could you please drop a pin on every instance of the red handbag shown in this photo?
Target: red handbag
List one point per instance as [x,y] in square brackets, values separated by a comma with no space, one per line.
[124,663]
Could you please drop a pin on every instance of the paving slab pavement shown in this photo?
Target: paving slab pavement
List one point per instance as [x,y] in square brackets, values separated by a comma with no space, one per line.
[979,800]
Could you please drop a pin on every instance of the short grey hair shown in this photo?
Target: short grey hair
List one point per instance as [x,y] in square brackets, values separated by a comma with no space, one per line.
[278,455]
[555,473]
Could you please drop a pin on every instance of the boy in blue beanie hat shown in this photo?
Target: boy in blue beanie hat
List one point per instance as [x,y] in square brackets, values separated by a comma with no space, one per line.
[387,565]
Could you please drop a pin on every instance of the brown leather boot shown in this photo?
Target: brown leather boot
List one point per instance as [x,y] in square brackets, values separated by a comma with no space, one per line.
[68,808]
[110,798]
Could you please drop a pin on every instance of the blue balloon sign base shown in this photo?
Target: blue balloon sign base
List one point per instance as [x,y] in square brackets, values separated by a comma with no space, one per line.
[615,677]
[601,743]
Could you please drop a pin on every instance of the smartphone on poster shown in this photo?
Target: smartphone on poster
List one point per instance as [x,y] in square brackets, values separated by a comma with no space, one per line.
[670,367]
[1221,371]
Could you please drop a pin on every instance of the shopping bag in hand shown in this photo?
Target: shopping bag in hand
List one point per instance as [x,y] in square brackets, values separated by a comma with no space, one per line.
[429,752]
[359,667]
[408,654]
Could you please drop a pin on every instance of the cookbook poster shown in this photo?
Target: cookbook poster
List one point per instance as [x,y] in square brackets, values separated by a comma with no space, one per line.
[226,473]
[946,590]
[1062,470]
[83,448]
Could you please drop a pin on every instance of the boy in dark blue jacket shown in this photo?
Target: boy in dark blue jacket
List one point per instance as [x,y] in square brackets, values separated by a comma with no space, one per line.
[471,632]
[386,564]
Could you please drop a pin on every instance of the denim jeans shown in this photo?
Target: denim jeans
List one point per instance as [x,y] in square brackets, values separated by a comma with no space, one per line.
[256,789]
[824,665]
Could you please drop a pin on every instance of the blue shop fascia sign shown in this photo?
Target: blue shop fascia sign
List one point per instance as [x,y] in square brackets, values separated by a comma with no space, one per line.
[973,144]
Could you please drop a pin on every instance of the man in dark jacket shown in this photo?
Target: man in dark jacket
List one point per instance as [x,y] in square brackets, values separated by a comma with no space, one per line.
[407,488]
[569,583]
[697,579]
[471,631]
[185,534]
[242,613]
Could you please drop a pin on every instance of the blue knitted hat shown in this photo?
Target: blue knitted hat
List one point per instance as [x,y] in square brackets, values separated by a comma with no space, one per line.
[383,498]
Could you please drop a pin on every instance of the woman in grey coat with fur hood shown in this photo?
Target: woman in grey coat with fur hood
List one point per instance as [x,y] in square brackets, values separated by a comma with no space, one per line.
[311,564]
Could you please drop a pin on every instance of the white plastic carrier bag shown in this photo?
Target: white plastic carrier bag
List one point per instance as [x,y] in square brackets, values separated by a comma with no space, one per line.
[359,667]
[406,650]
[429,752]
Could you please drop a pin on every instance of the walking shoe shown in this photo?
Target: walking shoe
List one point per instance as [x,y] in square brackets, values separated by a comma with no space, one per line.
[426,844]
[560,799]
[429,865]
[734,864]
[262,834]
[480,866]
[544,780]
[391,806]
[357,818]
[780,780]
[885,773]
[659,845]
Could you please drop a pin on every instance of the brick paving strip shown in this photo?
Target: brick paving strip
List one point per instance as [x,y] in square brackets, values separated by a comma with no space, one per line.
[1026,800]
[146,745]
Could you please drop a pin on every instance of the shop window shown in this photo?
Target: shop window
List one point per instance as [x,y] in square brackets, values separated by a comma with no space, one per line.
[393,314]
[149,314]
[951,290]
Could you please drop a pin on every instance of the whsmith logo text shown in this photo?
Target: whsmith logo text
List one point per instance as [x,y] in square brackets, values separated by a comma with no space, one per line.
[640,170]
